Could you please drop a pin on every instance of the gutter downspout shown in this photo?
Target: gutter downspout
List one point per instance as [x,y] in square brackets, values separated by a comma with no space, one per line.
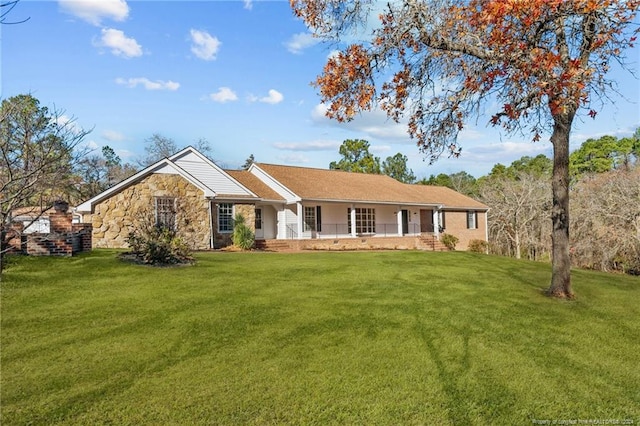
[210,225]
[486,228]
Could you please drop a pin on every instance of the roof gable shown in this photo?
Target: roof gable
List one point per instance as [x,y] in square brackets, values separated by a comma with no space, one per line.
[209,173]
[258,187]
[162,166]
[191,165]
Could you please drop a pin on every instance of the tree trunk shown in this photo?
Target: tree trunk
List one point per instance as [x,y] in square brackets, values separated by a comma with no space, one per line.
[560,259]
[517,243]
[3,235]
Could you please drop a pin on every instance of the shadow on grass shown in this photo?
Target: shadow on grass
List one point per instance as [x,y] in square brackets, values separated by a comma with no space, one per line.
[471,392]
[455,397]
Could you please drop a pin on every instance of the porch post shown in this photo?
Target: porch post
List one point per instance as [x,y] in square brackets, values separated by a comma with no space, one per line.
[436,222]
[399,221]
[353,221]
[281,225]
[300,217]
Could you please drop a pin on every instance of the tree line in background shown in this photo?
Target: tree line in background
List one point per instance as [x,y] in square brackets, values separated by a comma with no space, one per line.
[605,211]
[605,187]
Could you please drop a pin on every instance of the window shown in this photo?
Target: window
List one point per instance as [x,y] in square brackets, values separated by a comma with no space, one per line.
[472,219]
[166,212]
[258,223]
[309,218]
[441,221]
[225,217]
[365,221]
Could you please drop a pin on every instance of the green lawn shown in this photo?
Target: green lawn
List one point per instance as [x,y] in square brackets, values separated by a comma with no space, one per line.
[315,338]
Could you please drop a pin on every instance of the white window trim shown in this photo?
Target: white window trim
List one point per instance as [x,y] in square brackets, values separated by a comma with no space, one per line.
[157,212]
[232,215]
[309,227]
[472,219]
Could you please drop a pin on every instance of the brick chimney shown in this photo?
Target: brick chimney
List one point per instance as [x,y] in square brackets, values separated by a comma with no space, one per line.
[60,220]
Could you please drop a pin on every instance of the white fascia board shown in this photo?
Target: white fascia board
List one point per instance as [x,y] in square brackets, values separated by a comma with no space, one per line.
[87,206]
[267,179]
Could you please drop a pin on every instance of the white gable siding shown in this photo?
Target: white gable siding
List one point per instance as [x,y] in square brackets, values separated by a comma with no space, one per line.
[167,169]
[212,177]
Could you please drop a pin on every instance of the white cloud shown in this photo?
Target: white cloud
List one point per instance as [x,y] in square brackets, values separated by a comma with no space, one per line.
[125,154]
[148,84]
[94,11]
[293,159]
[380,149]
[205,46]
[113,136]
[298,42]
[119,44]
[92,145]
[248,4]
[320,145]
[68,124]
[374,124]
[224,94]
[274,97]
[504,152]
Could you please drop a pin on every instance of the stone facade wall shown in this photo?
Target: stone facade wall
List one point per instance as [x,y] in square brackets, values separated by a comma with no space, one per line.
[248,211]
[116,216]
[224,239]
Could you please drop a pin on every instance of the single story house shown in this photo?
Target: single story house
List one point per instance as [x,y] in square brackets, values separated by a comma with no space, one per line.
[304,207]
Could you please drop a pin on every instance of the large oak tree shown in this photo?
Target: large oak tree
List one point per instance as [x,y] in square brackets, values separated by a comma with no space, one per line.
[440,63]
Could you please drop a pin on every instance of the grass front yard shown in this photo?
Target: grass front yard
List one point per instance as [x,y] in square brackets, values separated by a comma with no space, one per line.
[314,338]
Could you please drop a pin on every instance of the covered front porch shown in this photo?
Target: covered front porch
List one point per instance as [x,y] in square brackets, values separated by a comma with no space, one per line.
[324,220]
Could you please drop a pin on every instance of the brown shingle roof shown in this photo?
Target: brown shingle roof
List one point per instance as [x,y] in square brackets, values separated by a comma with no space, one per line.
[334,185]
[255,185]
[447,197]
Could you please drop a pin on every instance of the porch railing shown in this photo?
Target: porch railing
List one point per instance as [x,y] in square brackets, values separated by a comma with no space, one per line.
[342,230]
[292,234]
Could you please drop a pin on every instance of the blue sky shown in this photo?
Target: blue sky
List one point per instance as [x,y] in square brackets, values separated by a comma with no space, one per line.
[236,73]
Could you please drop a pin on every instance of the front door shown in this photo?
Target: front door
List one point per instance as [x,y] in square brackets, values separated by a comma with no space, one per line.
[405,222]
[259,224]
[426,220]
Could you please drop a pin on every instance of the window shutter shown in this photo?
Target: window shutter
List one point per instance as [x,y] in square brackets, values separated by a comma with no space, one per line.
[318,219]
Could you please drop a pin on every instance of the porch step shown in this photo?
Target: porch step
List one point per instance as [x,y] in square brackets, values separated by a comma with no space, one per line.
[272,245]
[429,242]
